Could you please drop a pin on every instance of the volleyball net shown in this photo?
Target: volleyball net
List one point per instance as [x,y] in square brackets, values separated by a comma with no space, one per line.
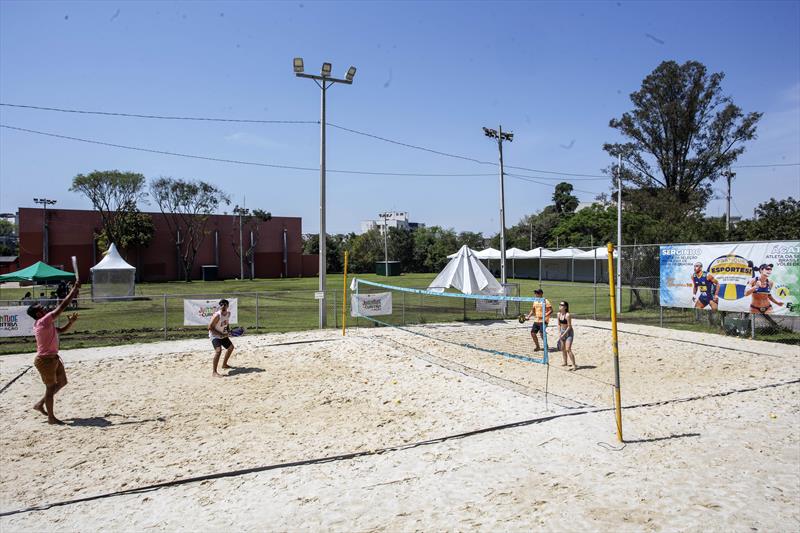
[486,323]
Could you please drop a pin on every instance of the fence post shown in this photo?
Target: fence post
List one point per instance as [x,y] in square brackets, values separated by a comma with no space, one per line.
[335,312]
[752,326]
[165,317]
[660,315]
[594,283]
[257,311]
[404,308]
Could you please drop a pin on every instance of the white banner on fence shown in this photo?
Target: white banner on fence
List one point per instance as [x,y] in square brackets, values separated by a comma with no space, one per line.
[371,304]
[490,305]
[198,312]
[746,277]
[15,322]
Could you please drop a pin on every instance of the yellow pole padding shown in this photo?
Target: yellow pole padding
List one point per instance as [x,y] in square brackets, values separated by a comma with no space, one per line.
[612,294]
[344,296]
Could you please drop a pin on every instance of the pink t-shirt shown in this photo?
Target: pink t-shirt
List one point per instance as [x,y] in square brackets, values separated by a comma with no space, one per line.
[46,335]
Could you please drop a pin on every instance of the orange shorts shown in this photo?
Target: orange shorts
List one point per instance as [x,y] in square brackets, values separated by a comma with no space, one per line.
[51,368]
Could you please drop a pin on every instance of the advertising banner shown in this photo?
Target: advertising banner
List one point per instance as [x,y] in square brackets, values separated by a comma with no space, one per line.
[15,322]
[198,312]
[745,277]
[371,304]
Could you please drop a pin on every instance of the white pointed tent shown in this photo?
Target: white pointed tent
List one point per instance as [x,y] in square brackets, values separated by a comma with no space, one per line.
[467,274]
[112,277]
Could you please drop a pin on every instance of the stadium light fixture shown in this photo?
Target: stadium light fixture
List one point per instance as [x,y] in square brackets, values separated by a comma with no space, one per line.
[44,202]
[324,81]
[501,136]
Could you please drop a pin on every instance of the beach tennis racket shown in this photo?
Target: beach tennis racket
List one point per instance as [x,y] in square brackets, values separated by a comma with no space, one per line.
[237,332]
[522,319]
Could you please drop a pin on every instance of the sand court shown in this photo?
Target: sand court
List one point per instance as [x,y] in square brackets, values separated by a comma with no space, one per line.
[709,428]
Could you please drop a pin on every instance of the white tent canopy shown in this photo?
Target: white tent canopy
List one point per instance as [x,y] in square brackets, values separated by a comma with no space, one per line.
[112,277]
[467,274]
[488,253]
[602,253]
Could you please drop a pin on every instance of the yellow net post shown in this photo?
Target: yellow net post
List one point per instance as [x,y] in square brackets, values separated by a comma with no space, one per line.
[615,344]
[344,296]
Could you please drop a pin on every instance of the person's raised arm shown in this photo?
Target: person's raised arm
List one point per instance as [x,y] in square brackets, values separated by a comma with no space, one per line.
[65,302]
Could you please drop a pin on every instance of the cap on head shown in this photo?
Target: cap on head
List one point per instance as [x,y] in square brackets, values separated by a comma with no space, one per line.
[223,302]
[33,310]
[765,265]
[538,291]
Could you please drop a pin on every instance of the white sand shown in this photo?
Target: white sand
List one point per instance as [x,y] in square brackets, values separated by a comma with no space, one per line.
[151,413]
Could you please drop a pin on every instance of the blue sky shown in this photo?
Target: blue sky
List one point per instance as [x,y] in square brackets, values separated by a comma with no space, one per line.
[429,74]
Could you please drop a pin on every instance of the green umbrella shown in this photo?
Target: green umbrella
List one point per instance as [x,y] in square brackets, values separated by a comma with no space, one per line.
[38,273]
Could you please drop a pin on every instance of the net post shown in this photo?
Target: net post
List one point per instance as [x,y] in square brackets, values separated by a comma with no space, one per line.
[344,296]
[614,342]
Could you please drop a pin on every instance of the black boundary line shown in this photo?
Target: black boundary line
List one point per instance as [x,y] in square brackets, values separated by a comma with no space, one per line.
[7,385]
[685,341]
[379,451]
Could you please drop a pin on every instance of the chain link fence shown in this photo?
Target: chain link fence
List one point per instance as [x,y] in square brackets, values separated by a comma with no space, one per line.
[581,282]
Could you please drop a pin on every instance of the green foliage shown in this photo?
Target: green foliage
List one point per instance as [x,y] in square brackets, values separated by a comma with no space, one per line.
[776,220]
[9,245]
[471,239]
[594,225]
[432,245]
[248,222]
[563,200]
[683,132]
[186,206]
[365,250]
[115,195]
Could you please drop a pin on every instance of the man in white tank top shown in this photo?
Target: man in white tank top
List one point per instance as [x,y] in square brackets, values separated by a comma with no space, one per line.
[218,331]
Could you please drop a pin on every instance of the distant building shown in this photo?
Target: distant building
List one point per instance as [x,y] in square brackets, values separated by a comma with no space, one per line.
[396,219]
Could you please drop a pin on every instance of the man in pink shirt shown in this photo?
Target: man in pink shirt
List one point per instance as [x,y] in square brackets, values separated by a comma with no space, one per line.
[47,361]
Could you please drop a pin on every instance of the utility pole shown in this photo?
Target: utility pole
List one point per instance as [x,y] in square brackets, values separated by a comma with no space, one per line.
[385,217]
[44,202]
[501,136]
[728,176]
[242,212]
[323,81]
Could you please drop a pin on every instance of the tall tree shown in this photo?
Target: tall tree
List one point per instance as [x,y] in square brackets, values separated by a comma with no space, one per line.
[245,224]
[115,196]
[186,206]
[563,199]
[682,133]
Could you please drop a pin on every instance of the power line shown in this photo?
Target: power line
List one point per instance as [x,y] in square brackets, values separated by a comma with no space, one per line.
[343,128]
[160,117]
[590,177]
[234,161]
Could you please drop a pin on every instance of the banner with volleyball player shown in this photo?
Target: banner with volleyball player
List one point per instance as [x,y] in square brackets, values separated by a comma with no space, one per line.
[744,277]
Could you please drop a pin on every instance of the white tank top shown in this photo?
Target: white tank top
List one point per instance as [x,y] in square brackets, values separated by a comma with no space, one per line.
[221,329]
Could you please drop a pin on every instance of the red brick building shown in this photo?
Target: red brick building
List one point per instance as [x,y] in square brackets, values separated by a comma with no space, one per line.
[278,253]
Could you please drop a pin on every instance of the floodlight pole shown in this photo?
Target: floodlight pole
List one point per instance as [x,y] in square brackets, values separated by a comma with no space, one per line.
[44,202]
[500,136]
[323,81]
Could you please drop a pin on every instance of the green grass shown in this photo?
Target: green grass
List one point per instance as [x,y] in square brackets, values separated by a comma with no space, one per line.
[288,305]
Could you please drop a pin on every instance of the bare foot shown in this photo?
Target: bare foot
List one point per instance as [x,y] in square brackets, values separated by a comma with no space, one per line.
[216,375]
[564,364]
[537,349]
[573,369]
[54,420]
[226,367]
[40,407]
